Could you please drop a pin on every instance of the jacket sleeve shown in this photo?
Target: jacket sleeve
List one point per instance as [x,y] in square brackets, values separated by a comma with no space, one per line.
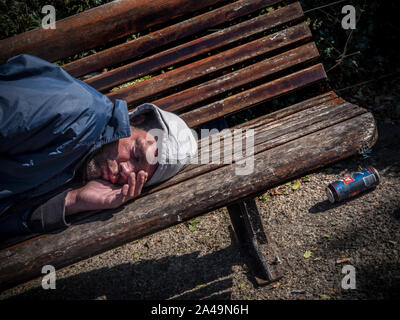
[49,216]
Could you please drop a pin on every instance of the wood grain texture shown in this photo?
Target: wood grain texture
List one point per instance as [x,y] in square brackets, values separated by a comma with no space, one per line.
[90,28]
[209,65]
[159,38]
[192,48]
[255,95]
[183,99]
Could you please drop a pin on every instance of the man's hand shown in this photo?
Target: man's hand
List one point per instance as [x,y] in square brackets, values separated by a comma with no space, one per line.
[100,194]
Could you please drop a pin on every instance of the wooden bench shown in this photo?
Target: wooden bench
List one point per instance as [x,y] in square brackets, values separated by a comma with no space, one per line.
[206,64]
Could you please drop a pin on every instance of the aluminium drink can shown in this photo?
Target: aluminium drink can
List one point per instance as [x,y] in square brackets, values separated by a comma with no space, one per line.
[352,185]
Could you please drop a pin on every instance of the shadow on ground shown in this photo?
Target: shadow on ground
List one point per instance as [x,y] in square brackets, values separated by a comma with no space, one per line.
[172,277]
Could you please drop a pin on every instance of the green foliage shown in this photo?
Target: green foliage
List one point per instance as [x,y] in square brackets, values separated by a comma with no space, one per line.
[264,197]
[127,84]
[305,179]
[352,56]
[296,185]
[192,224]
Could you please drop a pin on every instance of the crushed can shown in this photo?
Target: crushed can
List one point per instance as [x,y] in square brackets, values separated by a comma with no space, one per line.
[352,185]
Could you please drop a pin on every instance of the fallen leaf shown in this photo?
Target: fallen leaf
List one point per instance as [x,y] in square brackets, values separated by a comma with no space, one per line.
[296,185]
[339,261]
[276,191]
[263,198]
[307,254]
[276,285]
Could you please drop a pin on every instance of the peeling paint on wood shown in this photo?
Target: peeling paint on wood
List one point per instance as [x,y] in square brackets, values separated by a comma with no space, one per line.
[222,60]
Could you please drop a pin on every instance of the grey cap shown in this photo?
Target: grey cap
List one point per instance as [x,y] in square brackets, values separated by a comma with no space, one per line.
[175,141]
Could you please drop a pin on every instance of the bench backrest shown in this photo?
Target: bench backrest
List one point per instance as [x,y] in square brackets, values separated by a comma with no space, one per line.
[254,53]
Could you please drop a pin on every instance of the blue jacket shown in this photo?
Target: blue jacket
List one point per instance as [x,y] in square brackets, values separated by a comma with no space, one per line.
[49,123]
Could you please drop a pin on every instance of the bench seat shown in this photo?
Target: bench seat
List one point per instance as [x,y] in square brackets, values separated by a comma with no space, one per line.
[211,74]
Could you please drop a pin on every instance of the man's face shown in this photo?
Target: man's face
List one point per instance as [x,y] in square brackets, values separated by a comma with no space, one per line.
[117,160]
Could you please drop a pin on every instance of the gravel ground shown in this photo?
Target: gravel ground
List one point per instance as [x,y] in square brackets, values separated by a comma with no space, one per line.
[204,261]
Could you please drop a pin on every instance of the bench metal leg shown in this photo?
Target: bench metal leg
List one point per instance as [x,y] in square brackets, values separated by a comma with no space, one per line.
[248,228]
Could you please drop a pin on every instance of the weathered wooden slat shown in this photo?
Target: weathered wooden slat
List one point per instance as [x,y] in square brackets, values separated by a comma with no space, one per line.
[306,122]
[181,100]
[324,98]
[268,128]
[94,27]
[268,138]
[255,95]
[280,114]
[212,64]
[192,48]
[144,44]
[110,229]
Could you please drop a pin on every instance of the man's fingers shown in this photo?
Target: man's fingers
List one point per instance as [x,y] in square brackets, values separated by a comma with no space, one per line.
[117,199]
[141,180]
[125,191]
[132,185]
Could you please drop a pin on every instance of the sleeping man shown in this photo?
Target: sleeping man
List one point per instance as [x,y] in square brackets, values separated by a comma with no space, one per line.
[66,148]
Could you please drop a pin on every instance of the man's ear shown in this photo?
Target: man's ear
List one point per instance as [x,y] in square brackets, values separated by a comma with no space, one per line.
[137,120]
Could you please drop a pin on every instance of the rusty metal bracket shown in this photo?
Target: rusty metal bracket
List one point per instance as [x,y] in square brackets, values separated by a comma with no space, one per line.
[248,228]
